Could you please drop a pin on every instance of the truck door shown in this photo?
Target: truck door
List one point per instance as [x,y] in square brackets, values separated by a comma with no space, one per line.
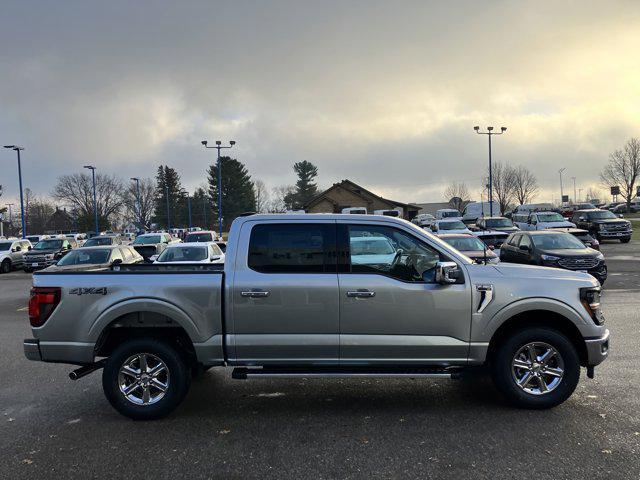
[285,294]
[391,309]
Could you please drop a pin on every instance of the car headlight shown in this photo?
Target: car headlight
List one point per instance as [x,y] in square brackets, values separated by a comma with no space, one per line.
[549,258]
[600,256]
[590,298]
[49,256]
[601,227]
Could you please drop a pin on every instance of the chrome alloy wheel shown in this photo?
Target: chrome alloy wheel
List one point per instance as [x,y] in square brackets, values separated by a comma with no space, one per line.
[537,368]
[143,379]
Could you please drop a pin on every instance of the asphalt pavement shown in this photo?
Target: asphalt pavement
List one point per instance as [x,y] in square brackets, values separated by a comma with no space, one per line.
[51,427]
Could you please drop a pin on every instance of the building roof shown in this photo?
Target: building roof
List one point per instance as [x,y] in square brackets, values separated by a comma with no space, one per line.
[357,190]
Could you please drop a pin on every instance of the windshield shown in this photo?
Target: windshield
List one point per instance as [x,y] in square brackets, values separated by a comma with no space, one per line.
[33,239]
[453,213]
[147,239]
[495,240]
[601,215]
[5,246]
[85,257]
[557,241]
[371,246]
[550,217]
[199,237]
[498,222]
[465,244]
[183,254]
[98,242]
[48,245]
[454,225]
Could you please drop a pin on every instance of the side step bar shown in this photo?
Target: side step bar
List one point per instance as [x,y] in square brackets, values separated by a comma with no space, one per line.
[243,373]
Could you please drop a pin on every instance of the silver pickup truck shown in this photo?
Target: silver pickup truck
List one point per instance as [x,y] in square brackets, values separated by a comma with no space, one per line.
[320,295]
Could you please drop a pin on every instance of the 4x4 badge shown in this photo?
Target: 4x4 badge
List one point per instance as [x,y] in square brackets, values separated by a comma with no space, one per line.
[88,291]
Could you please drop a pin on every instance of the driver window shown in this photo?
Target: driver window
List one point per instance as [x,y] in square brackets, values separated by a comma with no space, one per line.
[534,220]
[391,252]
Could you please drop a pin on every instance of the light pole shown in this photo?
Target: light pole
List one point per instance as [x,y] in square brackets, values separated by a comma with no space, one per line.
[137,180]
[10,216]
[490,133]
[17,149]
[219,147]
[575,199]
[184,192]
[580,192]
[561,189]
[95,198]
[166,194]
[204,210]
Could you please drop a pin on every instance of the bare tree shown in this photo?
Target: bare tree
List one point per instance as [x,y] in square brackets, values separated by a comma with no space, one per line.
[525,185]
[77,190]
[279,198]
[623,170]
[142,212]
[504,185]
[262,196]
[457,194]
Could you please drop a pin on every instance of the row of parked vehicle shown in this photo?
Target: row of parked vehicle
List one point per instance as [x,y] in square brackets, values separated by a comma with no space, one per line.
[70,253]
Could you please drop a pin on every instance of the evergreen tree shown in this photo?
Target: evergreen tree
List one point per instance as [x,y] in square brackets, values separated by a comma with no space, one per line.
[306,188]
[168,183]
[202,210]
[238,194]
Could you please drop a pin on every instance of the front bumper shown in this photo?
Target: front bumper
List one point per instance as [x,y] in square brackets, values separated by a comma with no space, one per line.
[37,264]
[597,349]
[614,233]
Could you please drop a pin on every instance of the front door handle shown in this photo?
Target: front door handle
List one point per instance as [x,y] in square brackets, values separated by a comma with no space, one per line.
[255,294]
[361,294]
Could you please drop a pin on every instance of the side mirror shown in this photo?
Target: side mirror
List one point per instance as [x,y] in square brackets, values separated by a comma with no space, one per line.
[492,247]
[117,261]
[153,258]
[447,273]
[524,248]
[620,215]
[29,248]
[17,249]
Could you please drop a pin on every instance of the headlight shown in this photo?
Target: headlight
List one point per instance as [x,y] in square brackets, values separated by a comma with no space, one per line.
[600,256]
[49,256]
[590,298]
[601,227]
[549,258]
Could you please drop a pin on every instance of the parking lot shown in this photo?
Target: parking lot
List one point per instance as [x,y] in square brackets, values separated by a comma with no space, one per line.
[351,428]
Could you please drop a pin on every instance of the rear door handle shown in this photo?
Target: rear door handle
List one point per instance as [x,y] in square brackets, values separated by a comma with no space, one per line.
[255,294]
[361,294]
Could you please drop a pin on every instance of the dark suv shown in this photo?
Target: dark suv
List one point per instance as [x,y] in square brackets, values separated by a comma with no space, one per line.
[47,252]
[603,225]
[103,241]
[553,249]
[500,224]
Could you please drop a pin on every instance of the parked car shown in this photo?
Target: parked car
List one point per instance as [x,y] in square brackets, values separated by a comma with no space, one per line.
[603,225]
[500,224]
[47,252]
[96,258]
[36,238]
[368,250]
[445,213]
[472,247]
[584,237]
[388,213]
[632,208]
[12,253]
[533,207]
[151,244]
[352,210]
[423,220]
[475,210]
[103,241]
[492,239]
[544,221]
[201,236]
[449,226]
[198,252]
[611,206]
[554,249]
[285,304]
[78,237]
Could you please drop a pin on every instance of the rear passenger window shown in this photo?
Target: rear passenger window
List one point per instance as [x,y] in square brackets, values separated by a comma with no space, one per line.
[292,248]
[513,241]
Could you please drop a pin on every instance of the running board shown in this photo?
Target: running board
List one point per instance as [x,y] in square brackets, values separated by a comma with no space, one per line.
[243,373]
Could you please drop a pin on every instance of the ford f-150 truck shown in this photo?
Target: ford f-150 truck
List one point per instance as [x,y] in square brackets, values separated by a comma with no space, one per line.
[305,295]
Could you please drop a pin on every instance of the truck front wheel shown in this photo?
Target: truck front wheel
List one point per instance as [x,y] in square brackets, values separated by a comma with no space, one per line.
[536,368]
[145,379]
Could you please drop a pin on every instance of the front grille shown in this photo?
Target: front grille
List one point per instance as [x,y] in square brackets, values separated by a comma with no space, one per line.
[578,263]
[616,227]
[34,258]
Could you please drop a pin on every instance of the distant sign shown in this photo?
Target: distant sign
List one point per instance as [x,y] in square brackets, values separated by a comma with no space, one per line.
[565,198]
[615,190]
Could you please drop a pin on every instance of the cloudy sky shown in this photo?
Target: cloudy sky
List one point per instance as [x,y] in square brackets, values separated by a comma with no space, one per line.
[383,93]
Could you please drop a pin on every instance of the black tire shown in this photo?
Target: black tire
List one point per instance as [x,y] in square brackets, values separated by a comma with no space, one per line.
[179,378]
[503,378]
[625,240]
[5,266]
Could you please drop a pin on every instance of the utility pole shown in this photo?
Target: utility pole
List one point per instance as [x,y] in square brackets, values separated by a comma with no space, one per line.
[17,149]
[575,200]
[490,133]
[139,201]
[95,199]
[219,147]
[561,189]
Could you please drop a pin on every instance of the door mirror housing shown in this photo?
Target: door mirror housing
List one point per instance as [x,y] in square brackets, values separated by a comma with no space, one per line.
[447,273]
[117,261]
[525,248]
[17,249]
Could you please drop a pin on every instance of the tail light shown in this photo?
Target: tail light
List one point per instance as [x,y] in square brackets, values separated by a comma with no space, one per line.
[42,302]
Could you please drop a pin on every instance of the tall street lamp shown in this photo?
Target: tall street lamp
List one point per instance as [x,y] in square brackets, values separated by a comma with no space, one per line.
[219,147]
[575,198]
[204,210]
[184,192]
[10,215]
[166,195]
[561,188]
[17,149]
[490,133]
[137,180]
[95,198]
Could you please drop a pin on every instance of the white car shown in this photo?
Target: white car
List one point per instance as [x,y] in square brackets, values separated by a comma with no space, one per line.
[475,210]
[193,252]
[544,221]
[12,253]
[423,220]
[445,213]
[371,250]
[449,226]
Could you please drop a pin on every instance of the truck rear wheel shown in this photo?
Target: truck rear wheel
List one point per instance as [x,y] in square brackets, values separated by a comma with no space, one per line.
[145,379]
[536,368]
[5,266]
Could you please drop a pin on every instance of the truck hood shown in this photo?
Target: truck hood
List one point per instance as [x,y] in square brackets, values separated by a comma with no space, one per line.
[529,272]
[571,252]
[40,252]
[564,224]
